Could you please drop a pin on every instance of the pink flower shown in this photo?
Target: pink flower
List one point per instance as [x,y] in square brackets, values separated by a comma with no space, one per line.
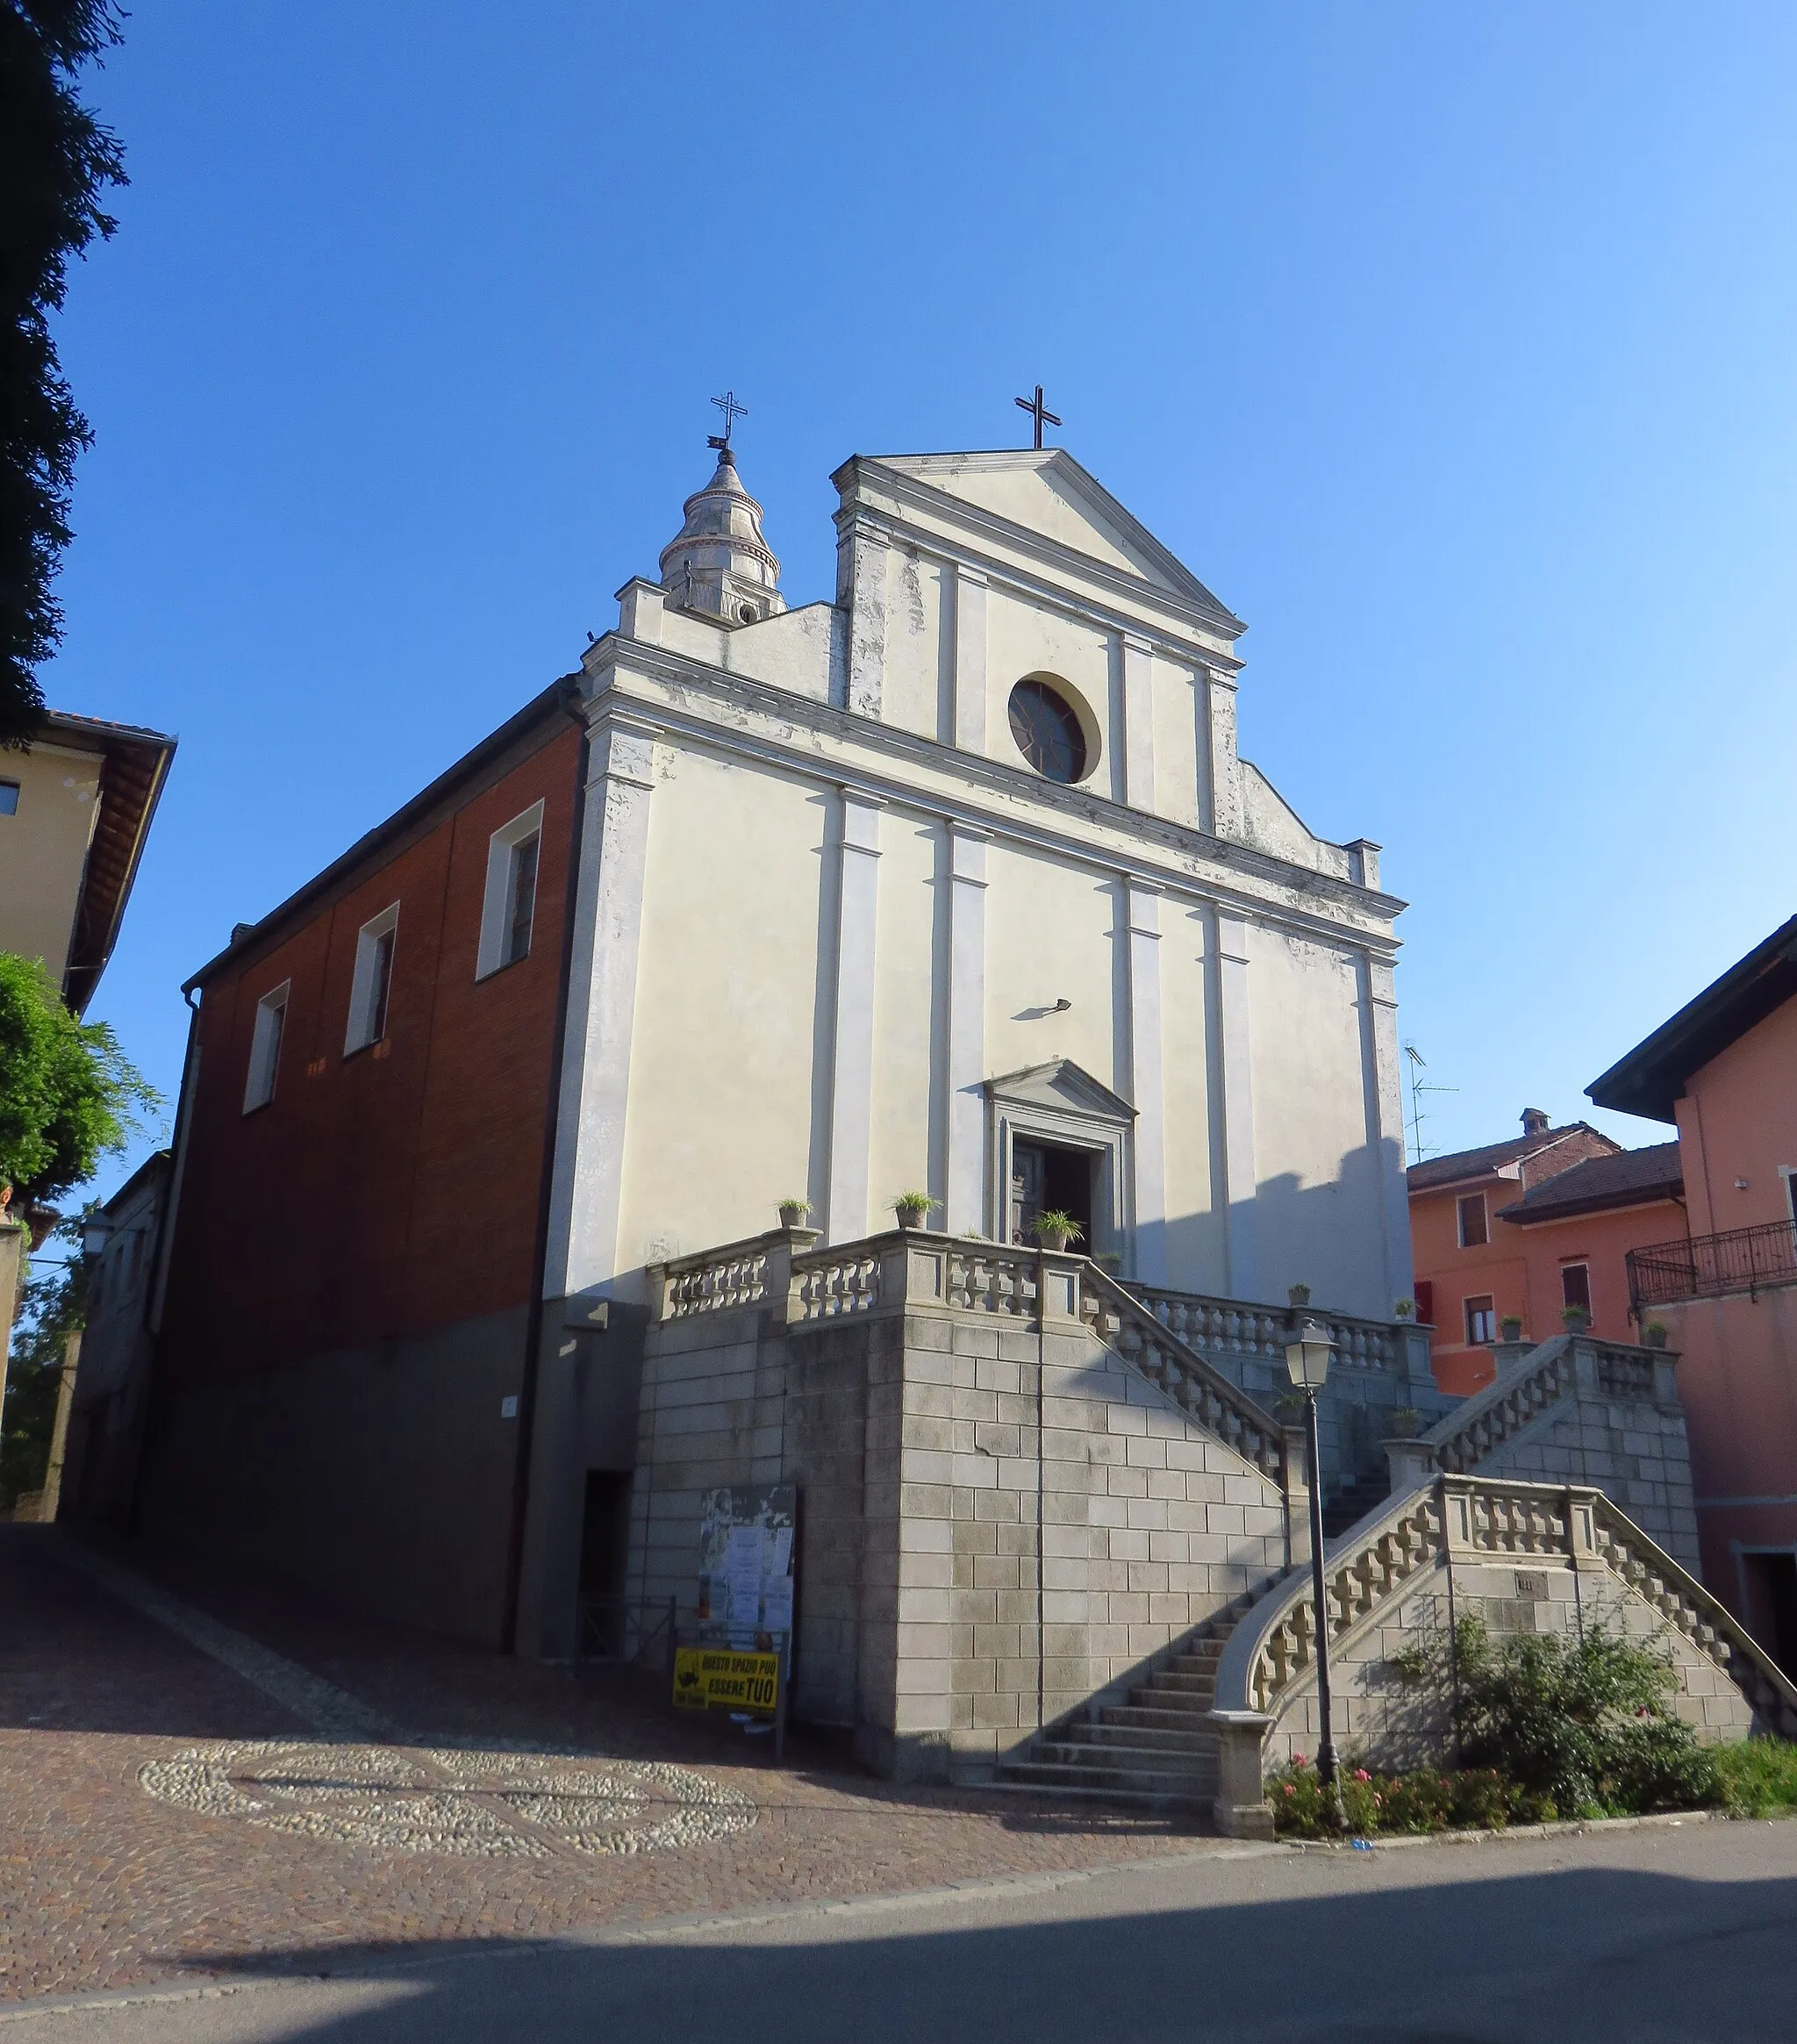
[1361,1775]
[1290,1790]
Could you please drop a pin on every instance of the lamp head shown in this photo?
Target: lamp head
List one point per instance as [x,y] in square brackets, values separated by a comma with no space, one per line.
[1308,1352]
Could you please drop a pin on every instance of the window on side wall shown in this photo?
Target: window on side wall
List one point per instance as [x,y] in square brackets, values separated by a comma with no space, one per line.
[265,1048]
[1473,1232]
[1575,1285]
[9,798]
[509,908]
[1481,1320]
[373,981]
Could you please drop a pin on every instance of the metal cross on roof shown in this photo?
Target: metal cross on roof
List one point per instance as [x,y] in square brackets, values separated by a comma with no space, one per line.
[733,412]
[1040,414]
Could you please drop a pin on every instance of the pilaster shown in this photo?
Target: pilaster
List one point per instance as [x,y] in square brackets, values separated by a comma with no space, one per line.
[595,1082]
[1149,1147]
[866,593]
[1384,1118]
[970,659]
[965,1176]
[1138,722]
[1234,1049]
[852,1076]
[1225,820]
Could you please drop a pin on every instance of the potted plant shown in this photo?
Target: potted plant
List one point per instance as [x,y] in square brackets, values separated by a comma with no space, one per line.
[1576,1319]
[1404,1308]
[1299,1296]
[1654,1334]
[792,1212]
[1511,1327]
[915,1209]
[1055,1229]
[1403,1422]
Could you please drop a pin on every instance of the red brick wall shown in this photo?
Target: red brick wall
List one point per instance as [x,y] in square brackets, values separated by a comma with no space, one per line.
[396,1190]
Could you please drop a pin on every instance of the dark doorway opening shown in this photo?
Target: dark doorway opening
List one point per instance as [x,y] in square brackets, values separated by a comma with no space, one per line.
[1771,1605]
[1045,1178]
[604,1545]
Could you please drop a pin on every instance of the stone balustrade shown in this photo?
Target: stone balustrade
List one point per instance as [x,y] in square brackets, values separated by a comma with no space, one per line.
[1231,1328]
[1467,1523]
[1528,1382]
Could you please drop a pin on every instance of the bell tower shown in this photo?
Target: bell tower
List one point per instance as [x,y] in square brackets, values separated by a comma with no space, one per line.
[718,566]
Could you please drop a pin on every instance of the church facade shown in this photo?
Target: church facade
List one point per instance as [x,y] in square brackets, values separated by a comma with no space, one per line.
[954,885]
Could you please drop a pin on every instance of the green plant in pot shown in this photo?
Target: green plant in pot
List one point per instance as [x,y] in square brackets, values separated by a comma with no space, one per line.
[1654,1334]
[1511,1327]
[793,1211]
[1576,1319]
[1055,1230]
[1403,1422]
[915,1209]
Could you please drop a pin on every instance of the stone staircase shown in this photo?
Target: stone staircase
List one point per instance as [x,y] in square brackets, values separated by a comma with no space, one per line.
[1351,1501]
[1158,1751]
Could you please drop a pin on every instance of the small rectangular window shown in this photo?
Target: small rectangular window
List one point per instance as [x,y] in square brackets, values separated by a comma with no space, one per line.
[1575,1285]
[524,899]
[1481,1320]
[1473,1232]
[9,798]
[1426,1301]
[265,1048]
[509,908]
[373,981]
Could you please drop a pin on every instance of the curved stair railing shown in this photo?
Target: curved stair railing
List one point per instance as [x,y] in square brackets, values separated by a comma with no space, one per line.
[1138,1337]
[1484,1421]
[1478,1519]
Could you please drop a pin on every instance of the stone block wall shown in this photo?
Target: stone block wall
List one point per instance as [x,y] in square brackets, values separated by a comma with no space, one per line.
[1380,1720]
[997,1523]
[1635,1451]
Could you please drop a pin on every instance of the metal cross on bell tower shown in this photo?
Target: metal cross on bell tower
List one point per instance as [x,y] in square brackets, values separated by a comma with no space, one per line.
[732,412]
[1039,412]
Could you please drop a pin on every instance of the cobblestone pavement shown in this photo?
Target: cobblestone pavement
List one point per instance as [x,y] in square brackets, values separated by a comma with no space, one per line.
[334,1786]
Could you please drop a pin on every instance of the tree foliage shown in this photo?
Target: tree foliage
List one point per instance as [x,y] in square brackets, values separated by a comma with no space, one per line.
[54,1306]
[56,164]
[68,1095]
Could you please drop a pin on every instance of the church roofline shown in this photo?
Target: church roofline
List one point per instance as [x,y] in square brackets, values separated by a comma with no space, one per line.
[909,473]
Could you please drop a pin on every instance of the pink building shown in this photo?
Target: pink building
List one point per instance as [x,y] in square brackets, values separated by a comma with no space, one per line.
[1724,1071]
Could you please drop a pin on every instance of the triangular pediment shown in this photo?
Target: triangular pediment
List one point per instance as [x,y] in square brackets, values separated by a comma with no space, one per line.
[1061,1084]
[1046,492]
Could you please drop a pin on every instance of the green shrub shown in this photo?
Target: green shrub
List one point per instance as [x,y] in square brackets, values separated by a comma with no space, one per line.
[1758,1776]
[1580,1723]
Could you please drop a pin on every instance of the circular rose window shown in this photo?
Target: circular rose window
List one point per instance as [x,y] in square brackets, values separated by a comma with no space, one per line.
[1047,732]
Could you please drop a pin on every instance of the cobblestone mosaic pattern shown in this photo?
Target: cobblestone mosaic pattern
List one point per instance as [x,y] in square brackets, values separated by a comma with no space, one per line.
[491,1805]
[116,1726]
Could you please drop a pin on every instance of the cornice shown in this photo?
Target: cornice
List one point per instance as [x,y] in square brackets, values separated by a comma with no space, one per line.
[1229,866]
[1053,557]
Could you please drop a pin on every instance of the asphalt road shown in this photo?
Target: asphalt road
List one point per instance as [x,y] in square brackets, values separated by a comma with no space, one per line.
[1685,1934]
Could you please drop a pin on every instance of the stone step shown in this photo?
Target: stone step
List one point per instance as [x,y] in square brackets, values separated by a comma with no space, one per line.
[1071,1792]
[1144,1783]
[1172,1677]
[1129,1730]
[1154,1759]
[1187,1723]
[1162,1696]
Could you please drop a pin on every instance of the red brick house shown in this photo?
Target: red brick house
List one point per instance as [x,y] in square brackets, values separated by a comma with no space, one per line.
[369,1204]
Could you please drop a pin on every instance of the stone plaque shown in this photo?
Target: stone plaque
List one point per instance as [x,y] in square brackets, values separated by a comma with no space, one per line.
[1531,1584]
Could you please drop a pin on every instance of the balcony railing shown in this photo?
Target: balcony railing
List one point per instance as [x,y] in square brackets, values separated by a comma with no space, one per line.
[1705,1267]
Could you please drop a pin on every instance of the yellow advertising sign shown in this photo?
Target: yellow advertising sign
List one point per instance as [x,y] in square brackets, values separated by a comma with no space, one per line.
[713,1677]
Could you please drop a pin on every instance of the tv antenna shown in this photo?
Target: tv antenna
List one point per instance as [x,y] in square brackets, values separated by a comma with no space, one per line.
[1419,1086]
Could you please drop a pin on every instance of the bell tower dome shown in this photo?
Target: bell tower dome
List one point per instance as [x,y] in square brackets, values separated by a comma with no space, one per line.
[718,566]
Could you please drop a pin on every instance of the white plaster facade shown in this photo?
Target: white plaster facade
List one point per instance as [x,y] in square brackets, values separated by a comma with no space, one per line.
[824,902]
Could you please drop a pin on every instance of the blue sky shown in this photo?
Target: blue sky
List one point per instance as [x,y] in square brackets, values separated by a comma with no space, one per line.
[1452,347]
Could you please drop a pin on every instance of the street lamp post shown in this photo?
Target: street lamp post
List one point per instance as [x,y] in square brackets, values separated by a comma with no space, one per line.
[1307,1364]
